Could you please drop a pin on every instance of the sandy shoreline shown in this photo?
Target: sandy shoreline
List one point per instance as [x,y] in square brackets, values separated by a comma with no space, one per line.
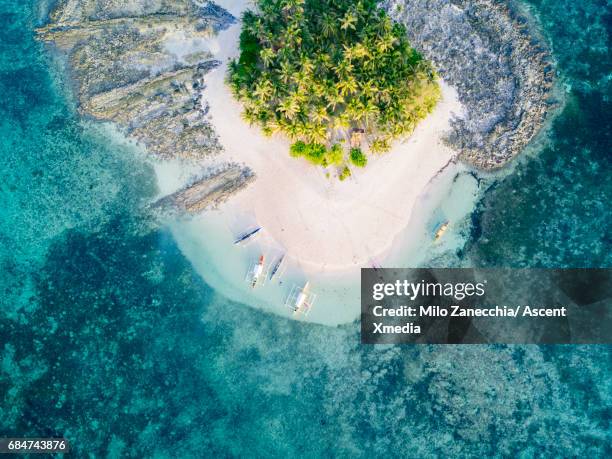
[385,214]
[322,223]
[327,229]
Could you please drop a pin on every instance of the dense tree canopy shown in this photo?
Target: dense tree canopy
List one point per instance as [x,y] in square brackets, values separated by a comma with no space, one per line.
[317,69]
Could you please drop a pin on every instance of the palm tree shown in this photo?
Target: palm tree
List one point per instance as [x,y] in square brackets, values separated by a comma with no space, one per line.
[319,115]
[289,107]
[318,134]
[370,113]
[379,145]
[355,109]
[290,6]
[348,52]
[348,21]
[306,64]
[342,121]
[347,86]
[292,129]
[264,90]
[293,34]
[333,97]
[368,88]
[318,90]
[267,56]
[361,51]
[285,71]
[328,25]
[274,126]
[343,69]
[324,60]
[249,115]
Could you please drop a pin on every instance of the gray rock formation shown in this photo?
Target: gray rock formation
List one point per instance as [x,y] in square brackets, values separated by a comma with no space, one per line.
[493,57]
[141,64]
[210,191]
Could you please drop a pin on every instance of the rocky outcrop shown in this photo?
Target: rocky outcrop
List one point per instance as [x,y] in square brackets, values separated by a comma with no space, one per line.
[501,69]
[210,191]
[142,66]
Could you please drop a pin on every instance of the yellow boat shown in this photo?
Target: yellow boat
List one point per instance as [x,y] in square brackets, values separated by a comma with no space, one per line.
[440,231]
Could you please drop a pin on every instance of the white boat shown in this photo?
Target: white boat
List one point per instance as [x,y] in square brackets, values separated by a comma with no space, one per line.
[300,300]
[255,274]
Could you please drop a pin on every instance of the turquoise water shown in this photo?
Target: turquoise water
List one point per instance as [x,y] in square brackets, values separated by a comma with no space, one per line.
[108,337]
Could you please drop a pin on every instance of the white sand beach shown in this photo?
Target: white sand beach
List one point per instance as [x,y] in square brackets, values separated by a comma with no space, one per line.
[321,222]
[326,228]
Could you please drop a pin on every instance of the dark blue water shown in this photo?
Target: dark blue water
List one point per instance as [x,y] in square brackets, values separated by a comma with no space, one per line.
[109,338]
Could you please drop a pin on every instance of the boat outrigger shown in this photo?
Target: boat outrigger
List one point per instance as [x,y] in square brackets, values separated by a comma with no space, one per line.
[440,230]
[246,236]
[276,267]
[256,273]
[300,300]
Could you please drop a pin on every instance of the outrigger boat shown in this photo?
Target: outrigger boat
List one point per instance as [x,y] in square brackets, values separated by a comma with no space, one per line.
[300,300]
[246,236]
[276,267]
[255,273]
[440,231]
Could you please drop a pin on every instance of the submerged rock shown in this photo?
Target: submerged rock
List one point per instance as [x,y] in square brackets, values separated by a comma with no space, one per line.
[500,67]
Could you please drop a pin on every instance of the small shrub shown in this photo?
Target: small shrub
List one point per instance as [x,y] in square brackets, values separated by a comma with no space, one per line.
[335,155]
[346,173]
[358,158]
[315,153]
[298,149]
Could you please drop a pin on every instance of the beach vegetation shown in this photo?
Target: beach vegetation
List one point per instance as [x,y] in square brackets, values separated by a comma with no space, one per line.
[335,155]
[346,173]
[358,158]
[319,70]
[317,153]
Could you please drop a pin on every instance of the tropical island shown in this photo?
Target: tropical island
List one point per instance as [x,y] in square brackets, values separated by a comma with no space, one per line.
[449,87]
[336,77]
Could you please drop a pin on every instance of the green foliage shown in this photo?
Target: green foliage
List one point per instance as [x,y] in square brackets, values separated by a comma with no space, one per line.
[358,158]
[346,173]
[317,154]
[335,155]
[380,146]
[297,149]
[314,69]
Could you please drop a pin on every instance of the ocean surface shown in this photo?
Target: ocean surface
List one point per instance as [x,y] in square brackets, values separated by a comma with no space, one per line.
[109,338]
